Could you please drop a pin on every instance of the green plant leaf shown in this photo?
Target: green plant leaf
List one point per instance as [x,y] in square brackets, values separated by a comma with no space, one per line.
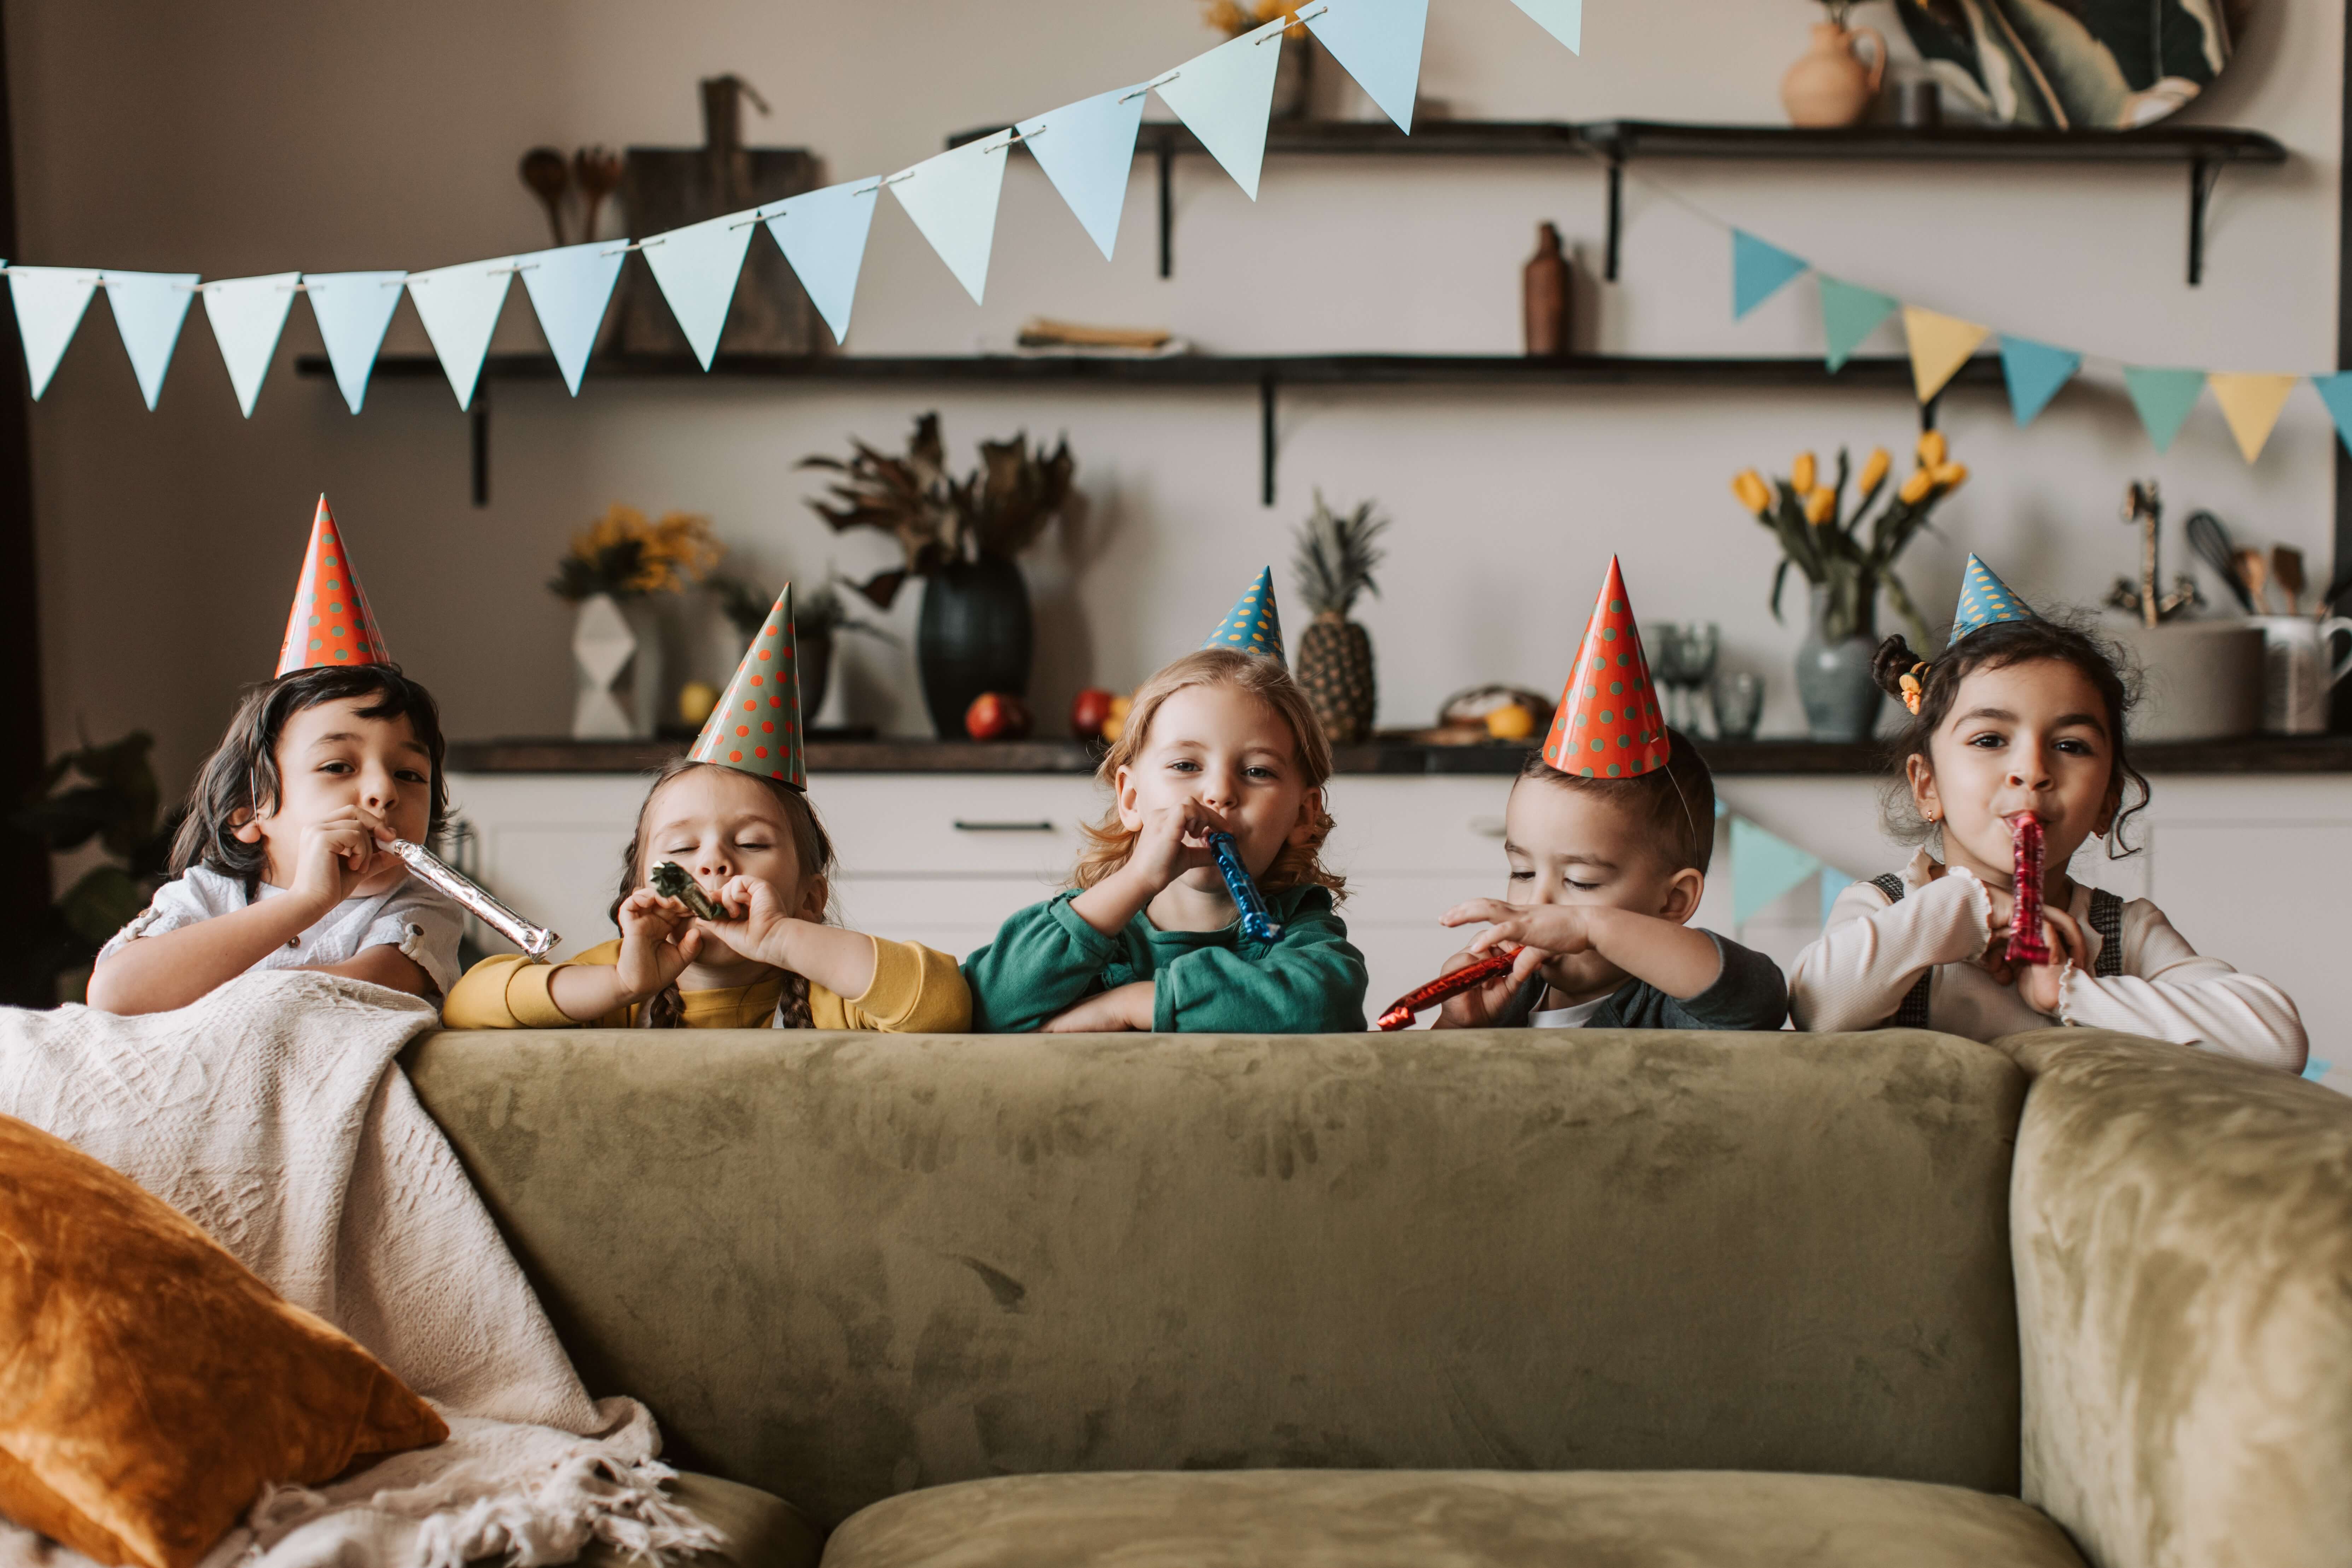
[1779,576]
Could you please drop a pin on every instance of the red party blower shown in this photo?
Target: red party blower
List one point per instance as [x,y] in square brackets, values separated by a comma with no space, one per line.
[2026,944]
[1494,966]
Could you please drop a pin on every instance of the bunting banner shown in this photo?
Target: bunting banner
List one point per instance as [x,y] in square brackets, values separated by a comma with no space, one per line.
[2251,403]
[1563,19]
[50,302]
[2164,398]
[569,289]
[1087,148]
[148,309]
[459,306]
[1758,271]
[1940,345]
[1849,314]
[696,268]
[952,198]
[353,310]
[248,315]
[822,235]
[1224,96]
[2035,372]
[1377,42]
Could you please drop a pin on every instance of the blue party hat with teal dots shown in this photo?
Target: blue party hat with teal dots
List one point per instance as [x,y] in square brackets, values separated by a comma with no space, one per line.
[1985,600]
[1253,626]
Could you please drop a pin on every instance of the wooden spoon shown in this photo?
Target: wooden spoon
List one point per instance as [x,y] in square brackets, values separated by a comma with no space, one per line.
[2286,565]
[544,171]
[597,172]
[2256,571]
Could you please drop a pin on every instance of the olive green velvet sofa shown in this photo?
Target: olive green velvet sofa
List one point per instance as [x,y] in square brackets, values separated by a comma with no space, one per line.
[1511,1298]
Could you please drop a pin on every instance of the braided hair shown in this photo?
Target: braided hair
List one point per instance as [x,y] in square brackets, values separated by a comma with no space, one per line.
[811,845]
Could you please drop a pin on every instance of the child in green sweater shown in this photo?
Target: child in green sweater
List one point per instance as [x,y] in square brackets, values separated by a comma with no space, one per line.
[1147,937]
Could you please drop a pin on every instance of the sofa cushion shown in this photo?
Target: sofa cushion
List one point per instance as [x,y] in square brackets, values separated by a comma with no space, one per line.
[761,1531]
[1440,1519]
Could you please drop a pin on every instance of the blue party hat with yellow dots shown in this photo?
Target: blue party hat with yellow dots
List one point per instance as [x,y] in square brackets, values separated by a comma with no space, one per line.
[1253,626]
[1985,600]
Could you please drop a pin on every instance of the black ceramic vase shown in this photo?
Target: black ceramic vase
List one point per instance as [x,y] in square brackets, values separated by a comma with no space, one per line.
[975,635]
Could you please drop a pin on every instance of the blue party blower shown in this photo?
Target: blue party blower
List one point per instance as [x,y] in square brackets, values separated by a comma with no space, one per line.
[1256,924]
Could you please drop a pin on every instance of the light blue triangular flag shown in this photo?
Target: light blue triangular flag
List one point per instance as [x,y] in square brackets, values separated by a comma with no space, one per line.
[1764,867]
[2035,371]
[1563,19]
[2315,1069]
[460,308]
[1758,271]
[246,315]
[49,302]
[822,235]
[1849,314]
[697,267]
[952,199]
[2164,398]
[1224,96]
[1833,884]
[2335,391]
[1377,42]
[352,310]
[569,289]
[1087,148]
[148,309]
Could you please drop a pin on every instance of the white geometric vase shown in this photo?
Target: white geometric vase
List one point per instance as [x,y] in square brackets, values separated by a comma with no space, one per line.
[616,652]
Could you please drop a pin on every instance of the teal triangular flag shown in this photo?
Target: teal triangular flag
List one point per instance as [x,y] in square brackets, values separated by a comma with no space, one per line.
[1758,271]
[1833,883]
[2035,371]
[352,310]
[952,198]
[1224,96]
[697,266]
[148,309]
[1377,42]
[1563,19]
[1252,626]
[1849,314]
[822,235]
[2164,398]
[246,315]
[1087,148]
[460,306]
[569,289]
[2315,1069]
[1764,867]
[1985,600]
[2335,391]
[49,304]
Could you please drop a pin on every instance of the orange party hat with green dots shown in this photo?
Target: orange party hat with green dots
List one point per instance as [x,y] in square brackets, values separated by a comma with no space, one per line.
[330,623]
[757,725]
[1608,725]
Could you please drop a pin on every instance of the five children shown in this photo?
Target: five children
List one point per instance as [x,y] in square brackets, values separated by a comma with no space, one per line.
[1608,836]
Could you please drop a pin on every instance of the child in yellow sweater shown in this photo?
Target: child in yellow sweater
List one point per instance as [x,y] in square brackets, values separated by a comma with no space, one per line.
[734,816]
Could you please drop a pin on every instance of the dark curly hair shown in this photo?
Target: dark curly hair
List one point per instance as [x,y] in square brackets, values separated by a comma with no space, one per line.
[241,775]
[1997,647]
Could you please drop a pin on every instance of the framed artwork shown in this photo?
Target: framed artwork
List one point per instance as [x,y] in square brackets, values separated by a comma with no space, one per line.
[2075,65]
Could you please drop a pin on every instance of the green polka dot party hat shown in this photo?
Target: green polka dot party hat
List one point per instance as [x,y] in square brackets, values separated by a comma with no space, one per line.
[1252,626]
[1608,725]
[1985,600]
[330,623]
[757,725]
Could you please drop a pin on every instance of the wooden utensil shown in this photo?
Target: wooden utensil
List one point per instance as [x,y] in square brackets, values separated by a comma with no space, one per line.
[2257,574]
[2211,542]
[547,174]
[2286,565]
[597,172]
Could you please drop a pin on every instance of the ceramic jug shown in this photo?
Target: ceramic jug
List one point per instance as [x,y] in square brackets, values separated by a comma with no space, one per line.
[2299,670]
[1829,87]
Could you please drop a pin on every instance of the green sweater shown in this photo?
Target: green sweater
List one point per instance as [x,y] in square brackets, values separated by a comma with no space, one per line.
[1047,959]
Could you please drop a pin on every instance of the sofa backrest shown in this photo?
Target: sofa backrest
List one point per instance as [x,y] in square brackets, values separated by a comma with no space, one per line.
[840,1267]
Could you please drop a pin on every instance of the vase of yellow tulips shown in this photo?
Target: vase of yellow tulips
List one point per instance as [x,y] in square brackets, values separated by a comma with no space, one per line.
[1847,556]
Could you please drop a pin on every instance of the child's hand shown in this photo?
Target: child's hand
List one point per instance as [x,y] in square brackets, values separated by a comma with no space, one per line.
[2038,984]
[1544,931]
[1161,853]
[338,853]
[758,926]
[1125,1006]
[1479,1007]
[659,938]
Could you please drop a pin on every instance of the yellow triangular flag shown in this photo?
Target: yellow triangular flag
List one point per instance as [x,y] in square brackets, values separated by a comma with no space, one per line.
[1940,346]
[2251,403]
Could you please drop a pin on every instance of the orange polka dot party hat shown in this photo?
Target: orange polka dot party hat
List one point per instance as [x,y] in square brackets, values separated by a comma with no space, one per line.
[1608,725]
[757,725]
[330,623]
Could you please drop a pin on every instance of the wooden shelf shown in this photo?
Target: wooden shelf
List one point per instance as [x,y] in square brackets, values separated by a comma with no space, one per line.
[2203,150]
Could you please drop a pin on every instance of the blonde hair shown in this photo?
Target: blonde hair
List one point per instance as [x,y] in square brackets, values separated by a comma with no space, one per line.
[1110,842]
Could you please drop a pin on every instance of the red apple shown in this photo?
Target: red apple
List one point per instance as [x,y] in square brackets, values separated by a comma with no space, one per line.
[996,716]
[1088,710]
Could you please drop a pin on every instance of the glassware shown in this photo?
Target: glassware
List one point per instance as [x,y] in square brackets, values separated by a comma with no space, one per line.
[1685,657]
[1738,698]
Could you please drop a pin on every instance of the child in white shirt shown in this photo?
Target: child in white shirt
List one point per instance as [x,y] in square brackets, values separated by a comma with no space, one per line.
[2021,715]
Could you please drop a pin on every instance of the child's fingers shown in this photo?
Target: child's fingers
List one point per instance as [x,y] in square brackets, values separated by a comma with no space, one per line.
[1474,911]
[2065,936]
[690,945]
[1524,966]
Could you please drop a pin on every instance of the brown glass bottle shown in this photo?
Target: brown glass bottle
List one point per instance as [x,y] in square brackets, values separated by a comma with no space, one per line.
[1547,278]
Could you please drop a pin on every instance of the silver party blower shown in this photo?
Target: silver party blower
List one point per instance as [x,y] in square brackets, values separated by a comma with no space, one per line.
[434,872]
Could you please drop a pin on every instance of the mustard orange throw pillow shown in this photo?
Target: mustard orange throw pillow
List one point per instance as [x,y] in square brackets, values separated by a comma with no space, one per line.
[150,1384]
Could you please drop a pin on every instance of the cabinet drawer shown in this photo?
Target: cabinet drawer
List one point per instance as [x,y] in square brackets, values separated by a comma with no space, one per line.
[1418,824]
[956,824]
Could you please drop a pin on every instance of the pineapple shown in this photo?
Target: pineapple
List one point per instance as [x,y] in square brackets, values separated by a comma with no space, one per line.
[1335,561]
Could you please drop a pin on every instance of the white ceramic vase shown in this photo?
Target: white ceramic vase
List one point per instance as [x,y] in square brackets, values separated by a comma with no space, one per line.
[617,654]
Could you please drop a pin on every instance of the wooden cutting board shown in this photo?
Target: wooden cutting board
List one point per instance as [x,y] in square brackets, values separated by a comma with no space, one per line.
[664,188]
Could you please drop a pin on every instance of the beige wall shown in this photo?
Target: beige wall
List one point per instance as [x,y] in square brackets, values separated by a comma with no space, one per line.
[251,135]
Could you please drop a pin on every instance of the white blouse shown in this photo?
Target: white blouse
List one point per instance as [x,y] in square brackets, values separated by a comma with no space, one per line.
[1872,951]
[410,916]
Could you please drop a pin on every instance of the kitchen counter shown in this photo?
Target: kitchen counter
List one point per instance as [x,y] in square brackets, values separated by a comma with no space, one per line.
[1759,758]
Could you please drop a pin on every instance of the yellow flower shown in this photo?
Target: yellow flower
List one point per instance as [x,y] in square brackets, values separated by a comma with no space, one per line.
[1753,493]
[1874,470]
[1915,488]
[1821,506]
[1933,449]
[1951,475]
[1800,474]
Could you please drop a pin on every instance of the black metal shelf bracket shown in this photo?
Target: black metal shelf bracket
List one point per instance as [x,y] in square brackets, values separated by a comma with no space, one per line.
[1616,208]
[1167,160]
[479,419]
[2202,177]
[1265,436]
